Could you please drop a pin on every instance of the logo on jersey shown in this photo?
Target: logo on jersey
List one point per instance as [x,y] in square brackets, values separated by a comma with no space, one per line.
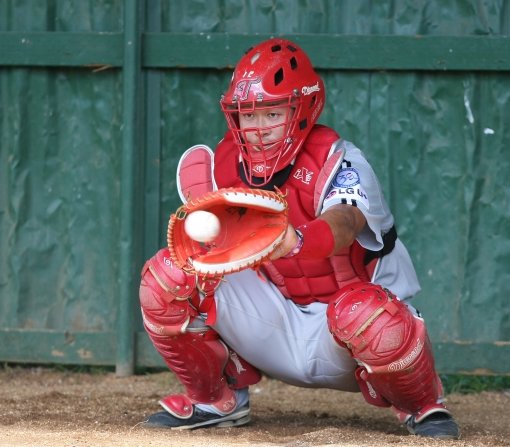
[346,178]
[331,194]
[259,169]
[303,174]
[346,188]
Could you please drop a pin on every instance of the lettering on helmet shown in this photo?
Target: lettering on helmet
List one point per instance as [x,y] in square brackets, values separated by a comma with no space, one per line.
[309,90]
[402,364]
[316,110]
[243,88]
[303,174]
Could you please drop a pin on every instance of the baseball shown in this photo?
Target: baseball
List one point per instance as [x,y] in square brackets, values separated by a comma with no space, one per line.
[202,226]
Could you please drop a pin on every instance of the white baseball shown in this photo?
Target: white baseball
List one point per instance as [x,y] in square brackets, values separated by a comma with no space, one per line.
[202,226]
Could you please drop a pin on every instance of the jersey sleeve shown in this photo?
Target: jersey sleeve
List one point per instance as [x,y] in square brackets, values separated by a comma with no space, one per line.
[356,184]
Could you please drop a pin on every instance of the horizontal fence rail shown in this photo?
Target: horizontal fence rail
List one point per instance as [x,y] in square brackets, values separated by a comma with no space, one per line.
[95,348]
[207,50]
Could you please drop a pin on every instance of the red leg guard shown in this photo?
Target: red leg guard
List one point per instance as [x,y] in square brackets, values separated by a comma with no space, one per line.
[392,347]
[198,359]
[169,299]
[168,296]
[240,373]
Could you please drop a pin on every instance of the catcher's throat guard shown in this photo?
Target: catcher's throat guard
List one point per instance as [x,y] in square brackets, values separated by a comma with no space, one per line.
[253,224]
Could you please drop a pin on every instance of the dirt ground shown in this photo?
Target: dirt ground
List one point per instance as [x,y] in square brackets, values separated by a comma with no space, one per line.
[43,407]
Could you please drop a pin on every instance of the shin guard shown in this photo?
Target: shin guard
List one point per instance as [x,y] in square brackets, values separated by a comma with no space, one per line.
[200,359]
[392,348]
[207,369]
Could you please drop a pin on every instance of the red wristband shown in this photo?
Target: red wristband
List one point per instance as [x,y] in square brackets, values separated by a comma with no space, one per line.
[318,240]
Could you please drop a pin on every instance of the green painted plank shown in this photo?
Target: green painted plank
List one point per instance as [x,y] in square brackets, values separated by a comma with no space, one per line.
[473,357]
[146,354]
[153,144]
[202,50]
[129,184]
[71,348]
[49,346]
[98,348]
[343,52]
[96,50]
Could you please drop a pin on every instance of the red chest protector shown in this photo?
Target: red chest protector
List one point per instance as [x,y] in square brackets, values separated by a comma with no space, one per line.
[303,281]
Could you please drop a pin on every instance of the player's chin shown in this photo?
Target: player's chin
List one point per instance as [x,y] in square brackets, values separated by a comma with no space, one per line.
[269,146]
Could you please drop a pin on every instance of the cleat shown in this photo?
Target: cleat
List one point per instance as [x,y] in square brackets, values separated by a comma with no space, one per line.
[199,419]
[438,425]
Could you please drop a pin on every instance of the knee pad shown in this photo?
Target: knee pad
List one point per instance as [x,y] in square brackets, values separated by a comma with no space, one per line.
[168,296]
[389,343]
[373,324]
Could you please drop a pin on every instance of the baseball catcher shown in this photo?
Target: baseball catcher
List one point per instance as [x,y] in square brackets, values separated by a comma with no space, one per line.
[284,260]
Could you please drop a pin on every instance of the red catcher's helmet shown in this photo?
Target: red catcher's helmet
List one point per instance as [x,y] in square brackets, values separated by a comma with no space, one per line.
[274,72]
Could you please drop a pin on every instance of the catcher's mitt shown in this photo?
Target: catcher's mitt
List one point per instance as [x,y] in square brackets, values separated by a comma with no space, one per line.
[253,223]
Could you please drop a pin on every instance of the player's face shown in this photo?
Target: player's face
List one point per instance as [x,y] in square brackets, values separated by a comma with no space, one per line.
[265,126]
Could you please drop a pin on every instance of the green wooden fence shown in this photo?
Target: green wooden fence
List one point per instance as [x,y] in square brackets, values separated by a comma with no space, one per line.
[98,100]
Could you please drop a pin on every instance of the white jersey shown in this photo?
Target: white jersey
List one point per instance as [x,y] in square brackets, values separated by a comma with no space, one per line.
[356,183]
[291,342]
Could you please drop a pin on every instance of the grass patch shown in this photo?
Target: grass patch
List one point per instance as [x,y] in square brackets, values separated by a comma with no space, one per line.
[85,369]
[452,383]
[467,384]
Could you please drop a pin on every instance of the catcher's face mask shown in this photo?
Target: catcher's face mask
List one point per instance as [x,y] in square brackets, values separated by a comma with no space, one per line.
[275,86]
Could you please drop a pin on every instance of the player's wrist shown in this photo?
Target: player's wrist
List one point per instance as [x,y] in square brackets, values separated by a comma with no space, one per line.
[317,240]
[297,247]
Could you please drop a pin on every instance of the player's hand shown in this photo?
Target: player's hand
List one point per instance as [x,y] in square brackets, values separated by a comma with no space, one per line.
[289,242]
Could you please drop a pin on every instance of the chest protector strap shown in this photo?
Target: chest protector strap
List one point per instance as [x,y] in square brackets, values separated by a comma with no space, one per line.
[335,158]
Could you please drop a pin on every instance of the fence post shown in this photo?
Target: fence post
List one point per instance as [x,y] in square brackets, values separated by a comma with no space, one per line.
[131,67]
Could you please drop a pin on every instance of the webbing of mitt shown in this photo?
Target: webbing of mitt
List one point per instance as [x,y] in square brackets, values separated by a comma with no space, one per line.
[253,223]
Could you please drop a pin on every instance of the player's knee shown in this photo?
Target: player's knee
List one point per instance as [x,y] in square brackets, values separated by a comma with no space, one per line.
[373,324]
[166,294]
